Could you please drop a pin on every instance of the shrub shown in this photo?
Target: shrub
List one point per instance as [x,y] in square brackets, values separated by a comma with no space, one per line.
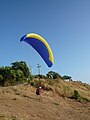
[53,75]
[1,77]
[76,95]
[32,83]
[1,80]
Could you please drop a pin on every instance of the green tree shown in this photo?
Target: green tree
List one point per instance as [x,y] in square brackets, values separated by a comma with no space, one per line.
[21,66]
[8,76]
[1,80]
[1,70]
[19,76]
[17,73]
[53,75]
[1,77]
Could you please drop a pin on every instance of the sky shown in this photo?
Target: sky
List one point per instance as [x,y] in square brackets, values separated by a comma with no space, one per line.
[64,24]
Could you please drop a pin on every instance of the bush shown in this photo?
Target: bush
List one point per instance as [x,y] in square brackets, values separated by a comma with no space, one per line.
[32,83]
[1,80]
[53,75]
[76,95]
[1,77]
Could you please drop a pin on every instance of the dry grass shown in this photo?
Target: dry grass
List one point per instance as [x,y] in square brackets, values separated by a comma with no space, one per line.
[20,102]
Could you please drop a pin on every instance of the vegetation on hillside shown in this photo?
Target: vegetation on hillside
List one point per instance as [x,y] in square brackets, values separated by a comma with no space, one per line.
[19,73]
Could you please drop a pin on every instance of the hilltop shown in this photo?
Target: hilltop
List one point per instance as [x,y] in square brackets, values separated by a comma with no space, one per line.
[19,102]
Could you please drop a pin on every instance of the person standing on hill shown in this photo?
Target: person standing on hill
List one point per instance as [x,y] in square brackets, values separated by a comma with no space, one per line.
[39,92]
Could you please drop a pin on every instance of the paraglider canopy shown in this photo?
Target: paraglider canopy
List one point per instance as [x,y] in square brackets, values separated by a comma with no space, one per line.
[41,46]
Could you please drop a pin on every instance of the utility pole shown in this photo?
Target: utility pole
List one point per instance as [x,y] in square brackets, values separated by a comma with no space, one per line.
[38,67]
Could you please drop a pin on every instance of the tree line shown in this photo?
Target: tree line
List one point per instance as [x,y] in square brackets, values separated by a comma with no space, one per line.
[19,72]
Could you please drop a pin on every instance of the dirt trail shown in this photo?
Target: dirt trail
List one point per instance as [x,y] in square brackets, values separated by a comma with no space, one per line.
[21,103]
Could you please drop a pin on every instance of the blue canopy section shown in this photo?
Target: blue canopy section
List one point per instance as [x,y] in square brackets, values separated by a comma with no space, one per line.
[40,47]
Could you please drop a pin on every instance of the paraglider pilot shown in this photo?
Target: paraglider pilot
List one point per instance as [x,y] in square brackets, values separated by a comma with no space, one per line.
[39,92]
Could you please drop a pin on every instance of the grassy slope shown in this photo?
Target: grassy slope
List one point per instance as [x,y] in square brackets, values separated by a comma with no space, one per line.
[20,102]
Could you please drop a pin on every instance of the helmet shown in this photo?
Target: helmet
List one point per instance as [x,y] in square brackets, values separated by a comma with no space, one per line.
[40,87]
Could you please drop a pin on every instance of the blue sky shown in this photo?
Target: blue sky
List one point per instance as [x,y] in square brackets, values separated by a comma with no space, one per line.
[65,24]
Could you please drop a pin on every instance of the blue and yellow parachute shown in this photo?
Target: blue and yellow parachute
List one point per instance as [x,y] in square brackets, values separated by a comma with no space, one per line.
[41,46]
